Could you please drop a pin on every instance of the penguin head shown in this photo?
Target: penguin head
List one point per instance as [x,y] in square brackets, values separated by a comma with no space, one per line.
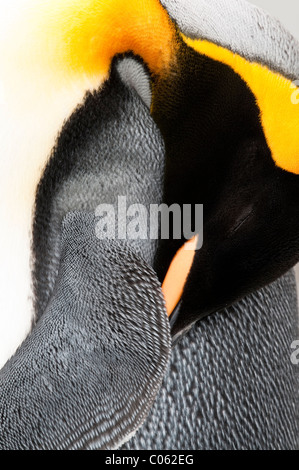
[230,127]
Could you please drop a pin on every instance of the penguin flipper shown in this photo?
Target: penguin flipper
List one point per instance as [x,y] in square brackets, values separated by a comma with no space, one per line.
[92,366]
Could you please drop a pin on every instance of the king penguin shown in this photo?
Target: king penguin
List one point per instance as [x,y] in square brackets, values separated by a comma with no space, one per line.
[229,131]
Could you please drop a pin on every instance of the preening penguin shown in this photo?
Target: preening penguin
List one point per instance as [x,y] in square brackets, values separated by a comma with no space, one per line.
[217,138]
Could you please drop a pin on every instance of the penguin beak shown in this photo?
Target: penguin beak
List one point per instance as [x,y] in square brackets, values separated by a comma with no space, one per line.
[177,274]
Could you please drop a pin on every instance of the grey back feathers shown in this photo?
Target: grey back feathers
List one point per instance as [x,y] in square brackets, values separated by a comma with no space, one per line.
[231,383]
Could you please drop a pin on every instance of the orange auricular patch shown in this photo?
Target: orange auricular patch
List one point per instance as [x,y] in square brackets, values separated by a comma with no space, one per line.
[279,112]
[88,34]
[177,274]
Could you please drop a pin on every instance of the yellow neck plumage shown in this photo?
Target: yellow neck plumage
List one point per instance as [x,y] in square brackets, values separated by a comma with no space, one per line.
[88,34]
[275,98]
